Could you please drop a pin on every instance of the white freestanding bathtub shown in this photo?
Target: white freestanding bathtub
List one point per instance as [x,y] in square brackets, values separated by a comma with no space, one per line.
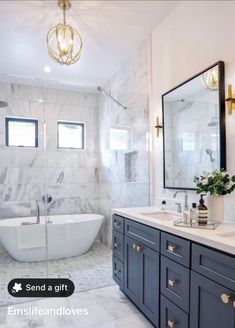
[65,236]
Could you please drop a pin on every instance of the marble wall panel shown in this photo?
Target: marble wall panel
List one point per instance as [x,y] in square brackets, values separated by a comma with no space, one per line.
[72,175]
[129,85]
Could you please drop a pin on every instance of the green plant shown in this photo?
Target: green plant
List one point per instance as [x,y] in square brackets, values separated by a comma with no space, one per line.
[217,183]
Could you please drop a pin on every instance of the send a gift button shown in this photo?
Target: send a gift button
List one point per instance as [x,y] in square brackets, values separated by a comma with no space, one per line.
[23,287]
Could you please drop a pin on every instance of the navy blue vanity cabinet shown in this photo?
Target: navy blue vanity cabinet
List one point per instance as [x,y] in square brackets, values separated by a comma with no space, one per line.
[212,305]
[132,263]
[141,277]
[118,271]
[175,282]
[149,278]
[118,249]
[172,316]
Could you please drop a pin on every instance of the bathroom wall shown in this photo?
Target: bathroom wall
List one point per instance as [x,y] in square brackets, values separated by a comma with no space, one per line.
[124,140]
[193,36]
[71,174]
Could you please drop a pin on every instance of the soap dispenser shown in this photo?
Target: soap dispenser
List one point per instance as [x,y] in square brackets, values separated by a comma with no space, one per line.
[202,212]
[163,205]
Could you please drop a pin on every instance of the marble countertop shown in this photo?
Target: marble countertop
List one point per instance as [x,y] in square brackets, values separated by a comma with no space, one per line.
[222,238]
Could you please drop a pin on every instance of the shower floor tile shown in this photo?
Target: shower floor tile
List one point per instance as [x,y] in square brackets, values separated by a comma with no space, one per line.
[88,271]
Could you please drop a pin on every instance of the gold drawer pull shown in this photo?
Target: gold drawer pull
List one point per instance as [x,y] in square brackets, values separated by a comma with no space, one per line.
[136,248]
[171,282]
[225,298]
[170,324]
[171,248]
[234,304]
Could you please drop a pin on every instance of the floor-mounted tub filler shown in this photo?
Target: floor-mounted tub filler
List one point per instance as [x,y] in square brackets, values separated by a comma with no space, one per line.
[65,236]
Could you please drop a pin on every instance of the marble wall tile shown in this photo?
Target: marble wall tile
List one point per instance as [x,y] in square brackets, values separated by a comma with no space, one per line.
[129,86]
[36,109]
[27,92]
[72,175]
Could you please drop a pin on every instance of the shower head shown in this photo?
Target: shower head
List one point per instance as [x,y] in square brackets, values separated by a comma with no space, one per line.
[213,122]
[3,103]
[209,151]
[111,97]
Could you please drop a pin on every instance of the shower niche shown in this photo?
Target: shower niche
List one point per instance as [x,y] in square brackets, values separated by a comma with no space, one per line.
[130,165]
[194,128]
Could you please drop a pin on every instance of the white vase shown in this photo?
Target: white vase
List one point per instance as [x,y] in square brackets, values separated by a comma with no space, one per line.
[216,209]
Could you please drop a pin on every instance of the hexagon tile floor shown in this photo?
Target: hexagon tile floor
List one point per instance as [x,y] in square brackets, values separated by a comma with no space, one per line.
[88,271]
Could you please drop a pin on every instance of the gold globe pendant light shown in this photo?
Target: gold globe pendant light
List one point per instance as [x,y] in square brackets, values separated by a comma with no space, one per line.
[210,79]
[64,43]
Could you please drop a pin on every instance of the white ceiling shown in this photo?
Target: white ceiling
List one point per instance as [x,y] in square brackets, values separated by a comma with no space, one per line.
[111,31]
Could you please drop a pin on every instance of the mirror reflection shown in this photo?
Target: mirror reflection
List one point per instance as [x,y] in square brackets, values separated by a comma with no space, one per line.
[193,128]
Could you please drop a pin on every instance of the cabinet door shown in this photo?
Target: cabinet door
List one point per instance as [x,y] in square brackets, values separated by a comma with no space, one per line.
[207,308]
[149,282]
[132,261]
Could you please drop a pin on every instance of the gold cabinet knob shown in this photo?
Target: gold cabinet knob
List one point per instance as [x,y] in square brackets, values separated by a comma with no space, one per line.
[134,247]
[138,248]
[171,282]
[234,304]
[170,324]
[171,248]
[225,298]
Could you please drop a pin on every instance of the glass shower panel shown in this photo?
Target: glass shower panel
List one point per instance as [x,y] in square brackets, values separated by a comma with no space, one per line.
[22,172]
[72,183]
[124,154]
[97,158]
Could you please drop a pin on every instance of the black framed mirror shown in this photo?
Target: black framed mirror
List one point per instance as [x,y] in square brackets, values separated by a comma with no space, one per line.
[194,138]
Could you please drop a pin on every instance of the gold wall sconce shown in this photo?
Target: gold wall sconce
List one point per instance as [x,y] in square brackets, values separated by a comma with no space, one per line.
[158,126]
[230,100]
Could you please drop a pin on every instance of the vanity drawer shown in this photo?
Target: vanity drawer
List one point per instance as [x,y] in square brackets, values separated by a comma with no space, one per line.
[175,248]
[118,246]
[118,223]
[175,282]
[118,273]
[172,316]
[142,233]
[214,265]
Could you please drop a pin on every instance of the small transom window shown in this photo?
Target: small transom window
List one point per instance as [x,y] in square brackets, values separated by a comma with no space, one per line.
[21,132]
[71,135]
[118,138]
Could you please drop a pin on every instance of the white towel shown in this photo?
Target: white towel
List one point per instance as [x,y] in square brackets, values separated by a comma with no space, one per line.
[31,236]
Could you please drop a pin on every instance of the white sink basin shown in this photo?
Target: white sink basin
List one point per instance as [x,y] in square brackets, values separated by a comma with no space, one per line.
[166,216]
[229,235]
